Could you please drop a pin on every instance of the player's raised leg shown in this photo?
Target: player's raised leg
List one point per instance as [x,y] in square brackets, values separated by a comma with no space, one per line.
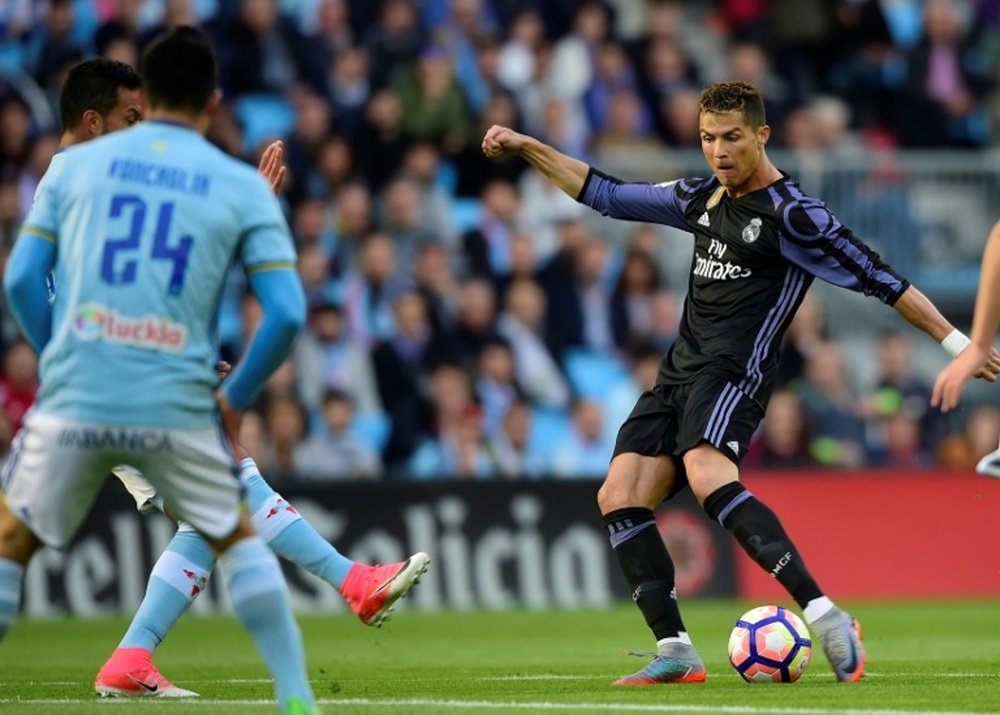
[713,478]
[181,574]
[634,485]
[371,591]
[182,571]
[196,481]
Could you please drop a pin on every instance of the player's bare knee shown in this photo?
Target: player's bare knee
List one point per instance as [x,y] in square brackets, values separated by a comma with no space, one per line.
[635,480]
[609,498]
[621,493]
[619,490]
[697,461]
[17,543]
[707,470]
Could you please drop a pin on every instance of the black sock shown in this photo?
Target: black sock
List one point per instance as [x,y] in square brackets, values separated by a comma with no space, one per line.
[761,535]
[648,568]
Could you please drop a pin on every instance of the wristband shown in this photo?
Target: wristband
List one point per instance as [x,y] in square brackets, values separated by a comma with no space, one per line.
[955,342]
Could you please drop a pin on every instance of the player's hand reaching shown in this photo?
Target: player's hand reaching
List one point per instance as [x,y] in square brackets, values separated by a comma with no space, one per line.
[501,141]
[973,361]
[231,420]
[223,368]
[272,165]
[990,368]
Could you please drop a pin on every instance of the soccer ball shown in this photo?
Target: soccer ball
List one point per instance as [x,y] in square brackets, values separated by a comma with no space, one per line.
[770,643]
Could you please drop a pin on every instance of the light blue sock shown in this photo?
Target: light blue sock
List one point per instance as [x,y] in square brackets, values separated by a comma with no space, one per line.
[178,576]
[287,533]
[11,579]
[260,600]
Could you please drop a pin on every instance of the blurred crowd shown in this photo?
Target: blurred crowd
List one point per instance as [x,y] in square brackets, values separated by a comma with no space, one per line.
[468,320]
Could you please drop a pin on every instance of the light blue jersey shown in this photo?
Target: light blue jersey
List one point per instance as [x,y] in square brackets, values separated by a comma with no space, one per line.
[146,222]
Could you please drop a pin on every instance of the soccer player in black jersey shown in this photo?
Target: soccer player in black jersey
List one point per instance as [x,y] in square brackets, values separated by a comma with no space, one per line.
[759,242]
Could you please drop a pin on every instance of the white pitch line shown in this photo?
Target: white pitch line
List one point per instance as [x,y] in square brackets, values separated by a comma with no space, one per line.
[498,678]
[502,705]
[711,676]
[626,707]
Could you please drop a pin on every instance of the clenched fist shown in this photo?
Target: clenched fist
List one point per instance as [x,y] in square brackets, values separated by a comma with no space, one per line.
[501,141]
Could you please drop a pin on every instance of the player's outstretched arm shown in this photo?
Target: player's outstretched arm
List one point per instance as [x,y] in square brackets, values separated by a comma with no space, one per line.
[272,165]
[986,318]
[921,312]
[564,171]
[654,203]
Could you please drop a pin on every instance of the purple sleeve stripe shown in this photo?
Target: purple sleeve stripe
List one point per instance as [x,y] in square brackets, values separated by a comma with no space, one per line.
[821,221]
[844,261]
[838,260]
[687,188]
[814,239]
[796,193]
[830,265]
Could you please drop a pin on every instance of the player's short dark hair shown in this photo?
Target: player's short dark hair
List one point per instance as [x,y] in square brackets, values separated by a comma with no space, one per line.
[734,96]
[93,84]
[180,70]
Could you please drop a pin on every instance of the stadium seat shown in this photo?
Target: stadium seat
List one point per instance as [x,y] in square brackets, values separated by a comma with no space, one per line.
[11,58]
[372,428]
[446,177]
[548,427]
[263,116]
[465,214]
[592,373]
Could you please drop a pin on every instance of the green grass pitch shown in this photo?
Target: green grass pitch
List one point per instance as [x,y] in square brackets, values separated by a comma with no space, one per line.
[923,657]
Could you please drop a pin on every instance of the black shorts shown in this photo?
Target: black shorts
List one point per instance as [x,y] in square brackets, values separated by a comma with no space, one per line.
[673,419]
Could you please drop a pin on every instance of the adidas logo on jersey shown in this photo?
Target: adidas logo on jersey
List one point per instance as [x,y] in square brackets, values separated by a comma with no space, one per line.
[735,446]
[703,219]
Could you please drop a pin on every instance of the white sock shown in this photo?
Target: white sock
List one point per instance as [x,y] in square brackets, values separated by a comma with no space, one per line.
[817,608]
[681,637]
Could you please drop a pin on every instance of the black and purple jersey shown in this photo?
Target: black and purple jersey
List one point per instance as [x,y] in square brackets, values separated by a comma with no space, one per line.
[754,259]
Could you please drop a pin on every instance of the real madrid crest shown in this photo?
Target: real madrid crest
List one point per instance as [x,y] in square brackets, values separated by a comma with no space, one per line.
[752,230]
